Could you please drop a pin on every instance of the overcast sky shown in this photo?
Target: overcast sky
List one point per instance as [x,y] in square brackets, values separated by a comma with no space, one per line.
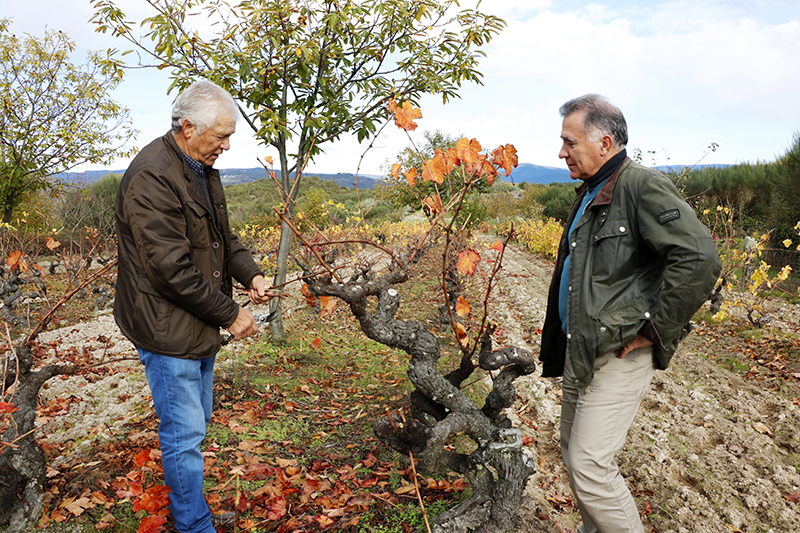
[685,73]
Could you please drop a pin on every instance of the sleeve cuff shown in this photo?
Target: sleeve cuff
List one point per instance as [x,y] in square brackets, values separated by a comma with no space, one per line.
[651,333]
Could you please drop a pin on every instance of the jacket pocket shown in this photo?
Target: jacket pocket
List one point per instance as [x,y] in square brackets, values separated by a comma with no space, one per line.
[617,327]
[613,254]
[198,225]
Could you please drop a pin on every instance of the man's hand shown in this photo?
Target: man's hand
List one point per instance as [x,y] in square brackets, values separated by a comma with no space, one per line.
[244,326]
[258,291]
[639,342]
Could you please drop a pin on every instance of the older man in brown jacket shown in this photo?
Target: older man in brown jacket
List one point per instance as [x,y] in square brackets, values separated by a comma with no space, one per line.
[177,256]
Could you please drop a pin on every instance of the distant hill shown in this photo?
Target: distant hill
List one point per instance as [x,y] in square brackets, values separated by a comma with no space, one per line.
[530,173]
[525,172]
[233,176]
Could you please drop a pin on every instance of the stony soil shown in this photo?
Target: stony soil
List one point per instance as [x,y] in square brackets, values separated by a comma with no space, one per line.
[708,452]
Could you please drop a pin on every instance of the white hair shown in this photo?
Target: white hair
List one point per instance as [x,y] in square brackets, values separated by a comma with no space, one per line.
[202,104]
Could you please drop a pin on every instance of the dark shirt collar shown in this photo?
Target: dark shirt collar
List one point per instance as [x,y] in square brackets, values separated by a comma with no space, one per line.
[196,166]
[607,169]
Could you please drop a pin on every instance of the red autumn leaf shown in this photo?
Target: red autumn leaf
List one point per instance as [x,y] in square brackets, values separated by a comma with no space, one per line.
[467,262]
[152,524]
[154,499]
[411,176]
[316,343]
[395,170]
[463,307]
[792,497]
[310,298]
[142,457]
[434,204]
[7,407]
[276,509]
[434,169]
[497,245]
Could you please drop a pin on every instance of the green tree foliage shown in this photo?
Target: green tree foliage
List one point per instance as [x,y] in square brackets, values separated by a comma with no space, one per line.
[55,115]
[556,200]
[743,188]
[90,206]
[784,175]
[308,72]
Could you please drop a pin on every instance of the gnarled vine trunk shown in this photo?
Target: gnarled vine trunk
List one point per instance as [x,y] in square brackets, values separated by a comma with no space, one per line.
[22,462]
[498,469]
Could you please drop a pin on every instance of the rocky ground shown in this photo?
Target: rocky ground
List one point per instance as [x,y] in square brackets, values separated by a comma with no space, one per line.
[712,449]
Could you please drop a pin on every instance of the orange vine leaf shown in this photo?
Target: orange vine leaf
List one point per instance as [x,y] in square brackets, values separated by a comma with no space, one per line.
[395,170]
[434,169]
[411,176]
[327,305]
[13,259]
[461,334]
[7,407]
[497,245]
[463,308]
[310,299]
[468,150]
[467,262]
[404,116]
[434,204]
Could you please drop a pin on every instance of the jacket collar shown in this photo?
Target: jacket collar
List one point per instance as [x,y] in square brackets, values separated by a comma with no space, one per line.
[612,167]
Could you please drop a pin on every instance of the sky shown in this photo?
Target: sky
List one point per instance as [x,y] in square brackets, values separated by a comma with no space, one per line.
[685,73]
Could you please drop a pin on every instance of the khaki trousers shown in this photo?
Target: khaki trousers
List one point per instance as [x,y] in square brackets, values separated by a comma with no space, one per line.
[594,425]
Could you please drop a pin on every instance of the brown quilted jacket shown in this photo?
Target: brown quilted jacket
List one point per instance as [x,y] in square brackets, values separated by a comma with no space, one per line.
[175,261]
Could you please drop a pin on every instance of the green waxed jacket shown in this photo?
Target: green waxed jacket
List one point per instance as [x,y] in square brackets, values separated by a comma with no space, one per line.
[641,262]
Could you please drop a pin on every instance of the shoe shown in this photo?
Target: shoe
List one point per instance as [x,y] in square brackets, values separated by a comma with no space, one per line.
[223,519]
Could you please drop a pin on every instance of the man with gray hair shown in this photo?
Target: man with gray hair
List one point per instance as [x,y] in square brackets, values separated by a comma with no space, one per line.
[634,265]
[177,257]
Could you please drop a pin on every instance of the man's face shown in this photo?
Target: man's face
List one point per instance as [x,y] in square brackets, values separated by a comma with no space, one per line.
[583,157]
[207,146]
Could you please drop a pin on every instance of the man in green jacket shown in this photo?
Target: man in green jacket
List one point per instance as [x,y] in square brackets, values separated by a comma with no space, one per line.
[177,256]
[634,265]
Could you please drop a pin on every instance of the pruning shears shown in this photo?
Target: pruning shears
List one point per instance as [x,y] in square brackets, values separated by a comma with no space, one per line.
[260,320]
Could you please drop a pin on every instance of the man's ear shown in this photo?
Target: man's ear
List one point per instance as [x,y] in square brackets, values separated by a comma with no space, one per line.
[606,144]
[188,129]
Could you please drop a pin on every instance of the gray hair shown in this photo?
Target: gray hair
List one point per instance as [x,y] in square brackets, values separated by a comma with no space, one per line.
[602,118]
[202,103]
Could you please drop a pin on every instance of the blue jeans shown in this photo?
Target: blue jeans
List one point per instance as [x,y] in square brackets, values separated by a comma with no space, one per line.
[182,392]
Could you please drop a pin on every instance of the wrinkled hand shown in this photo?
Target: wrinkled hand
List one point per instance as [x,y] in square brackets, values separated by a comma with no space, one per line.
[244,326]
[258,291]
[639,342]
